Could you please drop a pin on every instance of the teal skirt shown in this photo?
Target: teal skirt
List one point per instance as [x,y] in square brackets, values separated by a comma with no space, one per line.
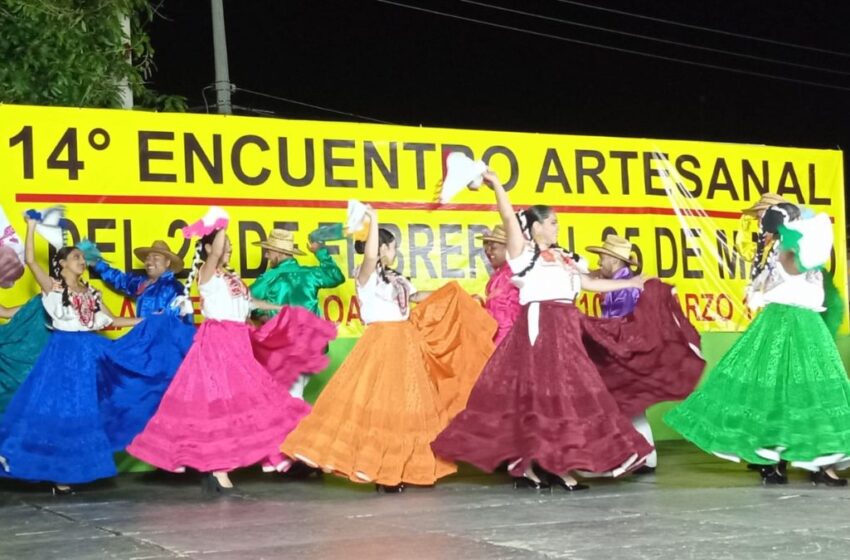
[21,341]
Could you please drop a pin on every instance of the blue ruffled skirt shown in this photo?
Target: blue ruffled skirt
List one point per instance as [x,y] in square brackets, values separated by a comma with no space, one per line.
[52,429]
[85,398]
[135,372]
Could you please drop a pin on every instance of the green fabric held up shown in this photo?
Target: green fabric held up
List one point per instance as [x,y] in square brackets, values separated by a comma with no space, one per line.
[329,232]
[782,384]
[790,241]
[21,342]
[289,283]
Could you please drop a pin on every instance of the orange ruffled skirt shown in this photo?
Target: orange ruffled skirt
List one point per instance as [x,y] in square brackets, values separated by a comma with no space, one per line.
[396,391]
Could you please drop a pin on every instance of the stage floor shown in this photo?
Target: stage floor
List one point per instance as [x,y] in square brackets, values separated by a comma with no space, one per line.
[694,507]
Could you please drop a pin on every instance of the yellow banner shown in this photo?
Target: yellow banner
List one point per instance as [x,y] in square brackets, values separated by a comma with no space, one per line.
[128,178]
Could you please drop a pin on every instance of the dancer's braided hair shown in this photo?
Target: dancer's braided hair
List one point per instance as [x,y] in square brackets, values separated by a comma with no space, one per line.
[56,273]
[769,223]
[527,218]
[385,237]
[199,258]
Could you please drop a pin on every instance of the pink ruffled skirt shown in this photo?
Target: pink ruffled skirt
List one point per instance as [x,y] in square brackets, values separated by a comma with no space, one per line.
[229,404]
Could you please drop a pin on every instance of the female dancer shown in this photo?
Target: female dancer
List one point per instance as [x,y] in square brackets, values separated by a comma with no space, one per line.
[781,393]
[53,429]
[540,400]
[408,375]
[228,405]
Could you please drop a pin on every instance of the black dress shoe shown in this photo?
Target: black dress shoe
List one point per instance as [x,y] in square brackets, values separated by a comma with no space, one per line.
[302,471]
[211,486]
[782,466]
[771,476]
[644,470]
[525,482]
[384,489]
[821,477]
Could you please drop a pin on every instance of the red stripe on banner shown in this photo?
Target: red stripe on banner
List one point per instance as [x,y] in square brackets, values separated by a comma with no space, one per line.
[277,203]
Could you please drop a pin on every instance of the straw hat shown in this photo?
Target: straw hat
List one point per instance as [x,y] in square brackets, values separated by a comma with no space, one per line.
[280,240]
[616,247]
[496,235]
[161,248]
[766,201]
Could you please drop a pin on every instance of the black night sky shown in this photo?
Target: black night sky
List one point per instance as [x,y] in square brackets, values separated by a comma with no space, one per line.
[411,67]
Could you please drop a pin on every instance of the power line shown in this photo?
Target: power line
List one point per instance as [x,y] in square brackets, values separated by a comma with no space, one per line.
[616,49]
[702,28]
[311,105]
[656,39]
[204,95]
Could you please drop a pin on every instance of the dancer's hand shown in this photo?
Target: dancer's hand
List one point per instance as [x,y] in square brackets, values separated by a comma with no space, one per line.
[490,178]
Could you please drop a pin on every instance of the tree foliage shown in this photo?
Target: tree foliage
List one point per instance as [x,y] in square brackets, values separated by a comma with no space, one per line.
[76,53]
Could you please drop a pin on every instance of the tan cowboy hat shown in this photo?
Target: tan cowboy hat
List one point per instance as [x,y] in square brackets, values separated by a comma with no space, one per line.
[496,235]
[617,247]
[766,201]
[280,240]
[160,248]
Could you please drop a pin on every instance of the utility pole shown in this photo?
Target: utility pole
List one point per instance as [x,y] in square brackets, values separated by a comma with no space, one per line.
[222,75]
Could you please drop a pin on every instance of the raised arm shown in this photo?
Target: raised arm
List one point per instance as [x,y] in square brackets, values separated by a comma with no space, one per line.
[127,284]
[370,254]
[213,257]
[328,274]
[516,241]
[43,278]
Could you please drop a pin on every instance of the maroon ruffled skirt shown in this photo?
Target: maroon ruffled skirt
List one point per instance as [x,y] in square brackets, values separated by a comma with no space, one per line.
[565,402]
[650,356]
[544,404]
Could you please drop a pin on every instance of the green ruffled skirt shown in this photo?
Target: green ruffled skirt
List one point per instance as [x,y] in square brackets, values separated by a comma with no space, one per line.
[781,392]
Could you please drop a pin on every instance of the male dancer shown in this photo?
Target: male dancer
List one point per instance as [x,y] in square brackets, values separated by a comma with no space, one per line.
[502,295]
[287,282]
[615,262]
[153,291]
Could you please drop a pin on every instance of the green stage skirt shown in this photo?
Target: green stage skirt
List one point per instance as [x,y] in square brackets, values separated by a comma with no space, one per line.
[781,392]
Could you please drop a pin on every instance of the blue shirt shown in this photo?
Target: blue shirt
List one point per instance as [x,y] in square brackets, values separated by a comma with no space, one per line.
[151,297]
